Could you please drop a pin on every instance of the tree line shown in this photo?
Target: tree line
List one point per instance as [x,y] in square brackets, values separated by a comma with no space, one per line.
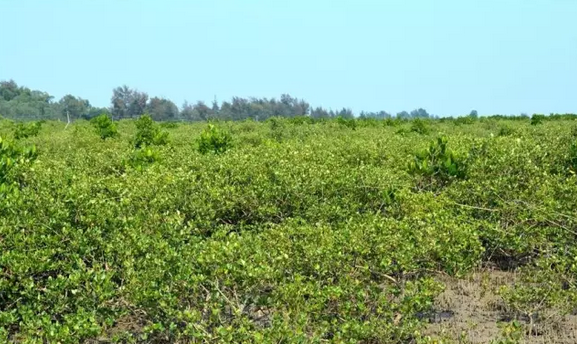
[19,102]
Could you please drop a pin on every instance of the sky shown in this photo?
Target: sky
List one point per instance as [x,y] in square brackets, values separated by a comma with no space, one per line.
[447,56]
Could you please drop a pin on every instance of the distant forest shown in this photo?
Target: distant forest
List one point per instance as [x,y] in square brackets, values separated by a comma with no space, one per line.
[22,103]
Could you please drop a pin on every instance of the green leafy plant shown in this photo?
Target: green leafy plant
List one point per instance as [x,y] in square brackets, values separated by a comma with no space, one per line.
[505,130]
[419,126]
[214,140]
[142,158]
[537,119]
[572,158]
[347,122]
[391,122]
[277,128]
[438,163]
[148,133]
[25,130]
[320,238]
[465,120]
[169,125]
[104,126]
[12,158]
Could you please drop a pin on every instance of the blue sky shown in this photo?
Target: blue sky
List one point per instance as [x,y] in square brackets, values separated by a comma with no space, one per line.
[447,56]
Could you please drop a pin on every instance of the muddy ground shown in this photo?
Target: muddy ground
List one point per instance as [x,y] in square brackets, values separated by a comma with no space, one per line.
[470,311]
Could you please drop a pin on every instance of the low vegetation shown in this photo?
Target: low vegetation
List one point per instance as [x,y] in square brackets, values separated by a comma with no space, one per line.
[285,231]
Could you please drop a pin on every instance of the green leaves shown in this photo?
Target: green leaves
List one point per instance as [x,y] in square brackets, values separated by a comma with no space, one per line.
[214,140]
[148,133]
[12,160]
[537,119]
[438,164]
[572,158]
[315,237]
[25,130]
[104,126]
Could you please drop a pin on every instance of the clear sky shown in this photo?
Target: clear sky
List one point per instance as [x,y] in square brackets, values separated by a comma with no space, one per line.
[447,56]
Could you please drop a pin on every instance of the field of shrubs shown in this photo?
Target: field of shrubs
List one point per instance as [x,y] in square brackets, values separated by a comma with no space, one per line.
[287,231]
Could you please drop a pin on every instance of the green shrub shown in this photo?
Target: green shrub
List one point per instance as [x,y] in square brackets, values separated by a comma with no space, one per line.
[574,131]
[148,133]
[105,127]
[572,159]
[169,125]
[25,130]
[347,122]
[11,159]
[438,163]
[505,130]
[214,140]
[464,120]
[537,119]
[300,120]
[277,128]
[141,158]
[391,122]
[419,126]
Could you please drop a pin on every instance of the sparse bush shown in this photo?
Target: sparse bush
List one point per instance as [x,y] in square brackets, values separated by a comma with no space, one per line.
[214,140]
[105,127]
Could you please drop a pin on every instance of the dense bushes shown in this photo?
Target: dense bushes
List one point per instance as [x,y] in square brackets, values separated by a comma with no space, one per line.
[317,236]
[12,159]
[24,130]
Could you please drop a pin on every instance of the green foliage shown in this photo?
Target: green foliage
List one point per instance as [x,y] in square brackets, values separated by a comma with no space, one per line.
[537,119]
[347,122]
[278,128]
[141,158]
[214,140]
[437,163]
[104,126]
[465,120]
[574,131]
[148,133]
[505,130]
[572,159]
[169,125]
[25,130]
[12,159]
[511,333]
[419,126]
[391,122]
[317,238]
[300,120]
